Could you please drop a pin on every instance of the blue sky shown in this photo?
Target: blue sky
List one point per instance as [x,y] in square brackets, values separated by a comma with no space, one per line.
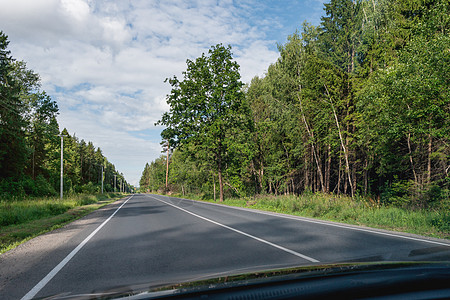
[105,62]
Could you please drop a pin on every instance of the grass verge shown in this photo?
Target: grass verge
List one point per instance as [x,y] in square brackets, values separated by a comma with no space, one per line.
[23,220]
[358,211]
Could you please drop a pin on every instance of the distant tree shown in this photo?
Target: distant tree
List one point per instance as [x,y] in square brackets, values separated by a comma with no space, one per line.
[153,176]
[207,108]
[42,133]
[29,142]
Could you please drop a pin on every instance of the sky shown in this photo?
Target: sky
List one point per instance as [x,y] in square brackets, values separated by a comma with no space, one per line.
[105,62]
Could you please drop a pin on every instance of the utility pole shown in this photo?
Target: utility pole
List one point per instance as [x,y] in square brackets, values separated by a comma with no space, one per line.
[102,175]
[62,157]
[115,176]
[167,165]
[102,179]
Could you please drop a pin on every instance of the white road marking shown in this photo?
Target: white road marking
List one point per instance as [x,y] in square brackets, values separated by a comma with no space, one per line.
[329,223]
[241,232]
[33,292]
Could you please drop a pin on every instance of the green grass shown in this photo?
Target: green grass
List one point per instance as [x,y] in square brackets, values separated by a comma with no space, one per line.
[358,211]
[21,220]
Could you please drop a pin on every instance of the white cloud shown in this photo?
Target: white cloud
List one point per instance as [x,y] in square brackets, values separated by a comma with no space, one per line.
[127,152]
[254,59]
[105,62]
[76,9]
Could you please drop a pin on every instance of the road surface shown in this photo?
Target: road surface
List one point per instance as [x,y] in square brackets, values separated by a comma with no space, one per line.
[149,239]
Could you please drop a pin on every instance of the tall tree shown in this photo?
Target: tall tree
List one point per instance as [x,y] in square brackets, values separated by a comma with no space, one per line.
[207,107]
[340,37]
[13,150]
[406,110]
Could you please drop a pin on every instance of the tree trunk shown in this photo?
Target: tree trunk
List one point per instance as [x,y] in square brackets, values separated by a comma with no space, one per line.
[345,182]
[34,150]
[328,170]
[306,171]
[408,138]
[339,176]
[214,188]
[293,186]
[220,178]
[354,185]
[167,166]
[311,134]
[261,177]
[219,165]
[366,175]
[313,174]
[429,159]
[347,166]
[81,168]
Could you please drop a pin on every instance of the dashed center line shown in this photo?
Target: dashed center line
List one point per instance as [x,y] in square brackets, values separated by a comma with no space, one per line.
[241,232]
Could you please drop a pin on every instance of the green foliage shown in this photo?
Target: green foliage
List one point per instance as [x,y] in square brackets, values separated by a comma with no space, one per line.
[24,219]
[406,109]
[358,105]
[358,211]
[23,211]
[208,112]
[29,145]
[13,150]
[39,187]
[13,213]
[89,188]
[154,176]
[397,193]
[440,220]
[339,33]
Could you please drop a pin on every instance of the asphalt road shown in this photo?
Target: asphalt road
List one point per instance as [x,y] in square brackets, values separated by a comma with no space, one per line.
[149,239]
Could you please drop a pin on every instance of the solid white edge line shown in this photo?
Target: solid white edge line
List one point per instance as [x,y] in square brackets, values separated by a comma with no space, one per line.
[241,232]
[33,292]
[326,223]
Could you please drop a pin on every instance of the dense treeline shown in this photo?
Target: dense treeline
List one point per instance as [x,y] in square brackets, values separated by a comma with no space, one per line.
[359,105]
[30,145]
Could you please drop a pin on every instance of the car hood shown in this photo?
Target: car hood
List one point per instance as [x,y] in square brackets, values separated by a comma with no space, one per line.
[317,281]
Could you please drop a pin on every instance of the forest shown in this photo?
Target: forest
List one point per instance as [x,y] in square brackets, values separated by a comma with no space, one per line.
[30,144]
[357,106]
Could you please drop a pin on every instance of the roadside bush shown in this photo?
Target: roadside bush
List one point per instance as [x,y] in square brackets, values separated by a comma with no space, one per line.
[86,199]
[10,189]
[90,188]
[441,221]
[25,210]
[43,187]
[396,193]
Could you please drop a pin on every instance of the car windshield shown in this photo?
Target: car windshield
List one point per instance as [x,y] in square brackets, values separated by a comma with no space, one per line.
[145,143]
